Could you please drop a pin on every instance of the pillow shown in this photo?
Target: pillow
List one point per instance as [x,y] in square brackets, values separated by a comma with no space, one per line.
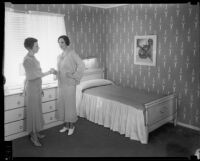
[88,84]
[94,83]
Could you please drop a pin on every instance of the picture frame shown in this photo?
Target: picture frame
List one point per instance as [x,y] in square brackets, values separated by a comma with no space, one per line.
[145,50]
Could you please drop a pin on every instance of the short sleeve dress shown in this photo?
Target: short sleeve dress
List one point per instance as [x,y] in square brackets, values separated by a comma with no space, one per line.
[33,94]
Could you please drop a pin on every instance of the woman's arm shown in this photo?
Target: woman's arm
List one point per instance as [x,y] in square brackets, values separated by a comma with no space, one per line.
[46,73]
[33,71]
[80,67]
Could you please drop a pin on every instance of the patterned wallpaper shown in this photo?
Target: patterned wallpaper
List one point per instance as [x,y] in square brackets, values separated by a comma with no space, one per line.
[109,35]
[178,60]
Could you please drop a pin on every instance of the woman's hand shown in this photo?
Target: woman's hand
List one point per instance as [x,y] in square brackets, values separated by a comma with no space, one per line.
[53,71]
[69,74]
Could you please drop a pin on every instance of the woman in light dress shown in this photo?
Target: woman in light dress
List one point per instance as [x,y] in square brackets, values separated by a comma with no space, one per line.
[70,71]
[33,91]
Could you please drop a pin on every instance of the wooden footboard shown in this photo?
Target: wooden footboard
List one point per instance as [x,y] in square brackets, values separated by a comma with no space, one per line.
[159,112]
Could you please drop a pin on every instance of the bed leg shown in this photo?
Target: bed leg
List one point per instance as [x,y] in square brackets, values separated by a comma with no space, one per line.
[146,125]
[147,135]
[175,120]
[175,115]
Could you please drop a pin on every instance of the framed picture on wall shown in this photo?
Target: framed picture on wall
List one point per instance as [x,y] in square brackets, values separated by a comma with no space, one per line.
[145,50]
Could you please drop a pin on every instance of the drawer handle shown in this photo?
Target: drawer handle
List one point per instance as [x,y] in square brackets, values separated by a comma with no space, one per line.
[42,93]
[162,112]
[21,94]
[18,102]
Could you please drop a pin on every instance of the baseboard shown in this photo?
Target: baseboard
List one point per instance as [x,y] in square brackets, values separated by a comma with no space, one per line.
[24,133]
[188,126]
[15,136]
[52,124]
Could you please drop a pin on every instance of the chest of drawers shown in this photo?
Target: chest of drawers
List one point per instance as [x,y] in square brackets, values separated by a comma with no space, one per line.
[14,122]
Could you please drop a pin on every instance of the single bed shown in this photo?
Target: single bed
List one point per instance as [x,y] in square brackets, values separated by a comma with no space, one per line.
[132,112]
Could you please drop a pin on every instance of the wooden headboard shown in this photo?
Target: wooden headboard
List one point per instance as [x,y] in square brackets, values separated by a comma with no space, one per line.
[95,73]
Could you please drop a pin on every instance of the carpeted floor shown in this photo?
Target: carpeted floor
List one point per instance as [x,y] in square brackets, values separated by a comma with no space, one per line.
[92,140]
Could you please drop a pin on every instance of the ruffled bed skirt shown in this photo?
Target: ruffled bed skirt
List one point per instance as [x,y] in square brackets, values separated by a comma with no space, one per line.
[112,114]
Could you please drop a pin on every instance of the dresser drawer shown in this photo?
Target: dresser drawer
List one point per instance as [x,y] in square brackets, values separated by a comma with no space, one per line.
[15,127]
[49,94]
[14,115]
[49,117]
[159,112]
[13,101]
[48,106]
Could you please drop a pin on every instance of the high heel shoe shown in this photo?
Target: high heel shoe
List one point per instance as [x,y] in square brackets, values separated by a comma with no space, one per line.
[64,129]
[40,136]
[35,142]
[71,131]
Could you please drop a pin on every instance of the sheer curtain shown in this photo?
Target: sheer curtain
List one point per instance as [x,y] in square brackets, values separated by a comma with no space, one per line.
[18,26]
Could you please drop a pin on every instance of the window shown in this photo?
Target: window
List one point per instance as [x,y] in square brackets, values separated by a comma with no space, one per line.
[18,26]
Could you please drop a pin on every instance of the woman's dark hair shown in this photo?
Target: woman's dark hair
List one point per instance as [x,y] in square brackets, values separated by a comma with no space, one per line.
[65,38]
[29,42]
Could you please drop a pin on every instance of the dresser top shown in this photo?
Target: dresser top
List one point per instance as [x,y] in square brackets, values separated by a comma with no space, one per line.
[8,92]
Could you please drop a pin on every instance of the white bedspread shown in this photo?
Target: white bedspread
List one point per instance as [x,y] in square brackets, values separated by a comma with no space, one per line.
[112,114]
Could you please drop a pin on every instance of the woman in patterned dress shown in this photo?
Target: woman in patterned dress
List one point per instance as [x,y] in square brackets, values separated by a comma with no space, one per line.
[33,91]
[70,71]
